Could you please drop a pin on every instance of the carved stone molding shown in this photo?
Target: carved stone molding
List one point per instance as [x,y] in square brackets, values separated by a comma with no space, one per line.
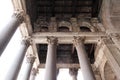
[52,40]
[30,58]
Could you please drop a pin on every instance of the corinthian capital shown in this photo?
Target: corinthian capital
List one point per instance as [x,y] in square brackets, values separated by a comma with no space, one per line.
[27,41]
[30,58]
[19,15]
[78,40]
[52,40]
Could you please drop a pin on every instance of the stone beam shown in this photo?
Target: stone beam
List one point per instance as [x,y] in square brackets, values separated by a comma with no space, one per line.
[69,65]
[67,37]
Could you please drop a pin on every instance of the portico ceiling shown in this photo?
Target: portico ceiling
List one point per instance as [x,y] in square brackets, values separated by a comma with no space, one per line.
[61,8]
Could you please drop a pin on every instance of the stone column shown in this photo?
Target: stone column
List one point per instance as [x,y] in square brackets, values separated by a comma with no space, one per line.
[33,74]
[50,66]
[13,64]
[83,60]
[73,72]
[26,68]
[7,32]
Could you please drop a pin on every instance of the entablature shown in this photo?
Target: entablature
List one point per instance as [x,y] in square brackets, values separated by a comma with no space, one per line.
[68,37]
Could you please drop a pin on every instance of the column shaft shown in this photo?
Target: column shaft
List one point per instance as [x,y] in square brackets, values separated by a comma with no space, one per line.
[13,63]
[7,32]
[83,60]
[26,67]
[50,66]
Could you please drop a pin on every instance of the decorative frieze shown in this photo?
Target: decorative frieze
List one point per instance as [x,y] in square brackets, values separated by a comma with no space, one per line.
[52,24]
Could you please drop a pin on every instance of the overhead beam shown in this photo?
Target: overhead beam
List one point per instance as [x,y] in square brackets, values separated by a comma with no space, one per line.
[67,37]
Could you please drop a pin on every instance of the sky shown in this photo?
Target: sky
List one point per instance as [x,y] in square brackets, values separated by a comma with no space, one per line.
[6,10]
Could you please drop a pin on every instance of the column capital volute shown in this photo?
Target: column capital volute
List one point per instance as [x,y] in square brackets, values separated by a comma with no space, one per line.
[52,40]
[30,58]
[19,14]
[78,40]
